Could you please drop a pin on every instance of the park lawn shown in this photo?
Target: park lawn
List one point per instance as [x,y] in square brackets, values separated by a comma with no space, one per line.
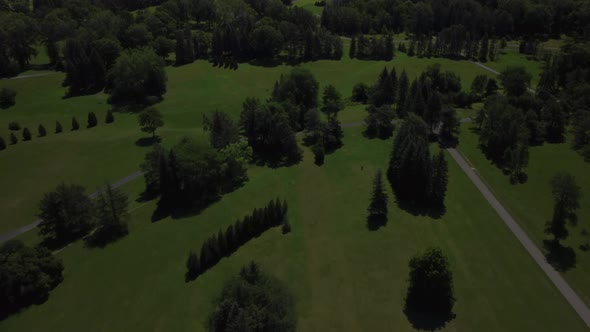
[309,5]
[531,204]
[344,277]
[510,58]
[90,157]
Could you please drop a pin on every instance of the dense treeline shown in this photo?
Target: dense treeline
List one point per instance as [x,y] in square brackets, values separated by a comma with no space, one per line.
[253,301]
[225,243]
[453,42]
[27,275]
[372,47]
[541,18]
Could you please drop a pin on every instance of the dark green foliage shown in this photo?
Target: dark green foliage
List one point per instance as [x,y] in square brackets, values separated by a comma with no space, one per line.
[2,143]
[66,214]
[478,86]
[42,131]
[352,49]
[150,119]
[384,90]
[223,131]
[17,40]
[379,122]
[185,50]
[484,49]
[7,97]
[85,69]
[450,127]
[112,216]
[163,46]
[267,42]
[332,134]
[92,120]
[377,211]
[13,139]
[136,75]
[504,136]
[286,227]
[268,128]
[372,48]
[319,153]
[14,126]
[582,134]
[151,169]
[26,134]
[430,289]
[566,198]
[299,88]
[331,101]
[58,127]
[360,93]
[439,179]
[27,275]
[225,244]
[254,301]
[515,81]
[432,113]
[110,118]
[491,87]
[75,124]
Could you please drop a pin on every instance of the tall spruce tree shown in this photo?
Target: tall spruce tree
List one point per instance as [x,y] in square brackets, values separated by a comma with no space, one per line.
[377,211]
[192,266]
[42,131]
[2,143]
[403,87]
[439,179]
[352,50]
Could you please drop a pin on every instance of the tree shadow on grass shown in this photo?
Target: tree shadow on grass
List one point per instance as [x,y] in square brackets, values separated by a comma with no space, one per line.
[164,210]
[376,222]
[434,212]
[428,321]
[560,257]
[148,141]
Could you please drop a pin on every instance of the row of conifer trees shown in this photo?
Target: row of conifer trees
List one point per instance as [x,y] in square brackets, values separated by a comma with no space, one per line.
[225,243]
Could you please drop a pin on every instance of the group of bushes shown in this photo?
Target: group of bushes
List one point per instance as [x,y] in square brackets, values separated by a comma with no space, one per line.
[42,132]
[236,235]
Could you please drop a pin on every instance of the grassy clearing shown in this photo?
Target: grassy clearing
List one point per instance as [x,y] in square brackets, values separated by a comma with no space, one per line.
[510,57]
[331,261]
[531,204]
[309,5]
[108,152]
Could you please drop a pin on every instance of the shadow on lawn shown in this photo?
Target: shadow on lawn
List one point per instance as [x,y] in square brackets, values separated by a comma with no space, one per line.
[428,321]
[148,141]
[560,257]
[374,223]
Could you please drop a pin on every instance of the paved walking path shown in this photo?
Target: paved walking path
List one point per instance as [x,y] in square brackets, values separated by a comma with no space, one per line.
[563,287]
[12,234]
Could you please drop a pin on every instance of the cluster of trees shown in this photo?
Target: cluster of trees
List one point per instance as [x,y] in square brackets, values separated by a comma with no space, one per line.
[193,174]
[494,18]
[566,197]
[27,275]
[7,97]
[42,131]
[565,84]
[431,289]
[18,36]
[68,214]
[254,301]
[453,42]
[418,179]
[377,211]
[225,243]
[372,47]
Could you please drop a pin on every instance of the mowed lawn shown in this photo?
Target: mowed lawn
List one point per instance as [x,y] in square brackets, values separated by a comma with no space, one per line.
[531,204]
[91,157]
[344,277]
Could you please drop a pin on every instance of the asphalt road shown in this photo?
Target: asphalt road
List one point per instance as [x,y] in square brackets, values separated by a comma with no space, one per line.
[563,287]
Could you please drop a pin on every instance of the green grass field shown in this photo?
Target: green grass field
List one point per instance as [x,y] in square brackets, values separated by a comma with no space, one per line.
[345,277]
[309,5]
[531,204]
[108,152]
[510,57]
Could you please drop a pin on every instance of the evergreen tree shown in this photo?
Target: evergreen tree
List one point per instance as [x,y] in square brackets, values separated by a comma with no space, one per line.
[383,89]
[58,127]
[13,139]
[378,208]
[192,266]
[483,52]
[92,120]
[332,134]
[331,100]
[388,47]
[189,48]
[319,153]
[402,94]
[75,124]
[491,87]
[352,50]
[222,244]
[439,180]
[110,118]
[555,122]
[42,131]
[2,144]
[450,127]
[566,196]
[432,115]
[26,134]
[180,49]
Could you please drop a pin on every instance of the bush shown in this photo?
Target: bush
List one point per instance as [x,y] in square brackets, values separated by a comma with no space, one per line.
[110,118]
[360,93]
[92,120]
[286,228]
[7,97]
[75,124]
[14,126]
[26,134]
[42,131]
[13,139]
[2,144]
[58,127]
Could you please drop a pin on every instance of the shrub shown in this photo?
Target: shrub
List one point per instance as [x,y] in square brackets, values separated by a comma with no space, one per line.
[13,139]
[14,126]
[58,127]
[92,120]
[2,144]
[7,97]
[26,134]
[75,124]
[110,118]
[42,131]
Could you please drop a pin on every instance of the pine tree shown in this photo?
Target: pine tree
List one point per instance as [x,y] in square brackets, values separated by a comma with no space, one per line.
[394,84]
[402,93]
[378,208]
[189,48]
[13,139]
[483,52]
[352,50]
[42,131]
[230,239]
[222,244]
[110,118]
[58,127]
[192,266]
[26,134]
[389,48]
[492,50]
[181,48]
[439,180]
[432,115]
[75,124]
[383,89]
[92,120]
[319,152]
[2,144]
